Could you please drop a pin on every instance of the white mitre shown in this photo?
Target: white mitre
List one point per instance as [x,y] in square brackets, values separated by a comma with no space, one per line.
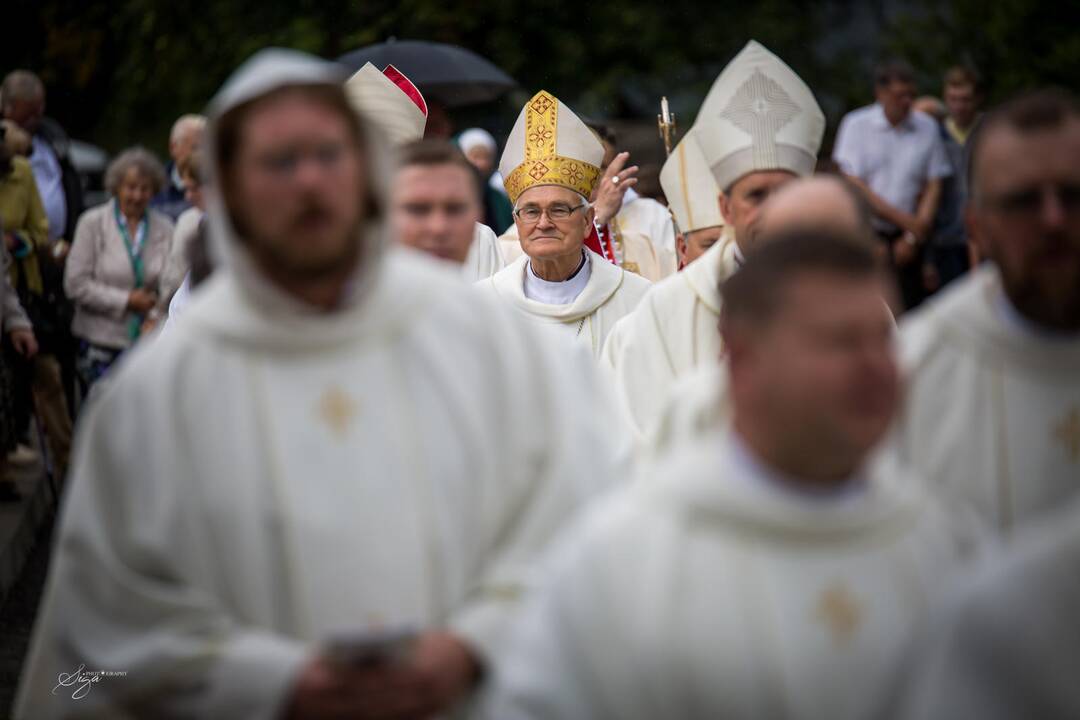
[390,100]
[691,191]
[759,115]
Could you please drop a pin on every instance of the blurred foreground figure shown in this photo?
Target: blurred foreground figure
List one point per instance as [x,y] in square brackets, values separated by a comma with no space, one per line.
[290,504]
[1007,645]
[992,415]
[700,402]
[766,572]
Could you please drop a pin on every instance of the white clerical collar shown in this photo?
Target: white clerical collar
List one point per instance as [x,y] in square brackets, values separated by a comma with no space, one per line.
[177,181]
[739,258]
[1016,320]
[563,292]
[750,468]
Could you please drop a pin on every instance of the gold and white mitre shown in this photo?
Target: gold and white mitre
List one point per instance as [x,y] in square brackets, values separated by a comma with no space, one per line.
[691,191]
[549,145]
[389,100]
[759,115]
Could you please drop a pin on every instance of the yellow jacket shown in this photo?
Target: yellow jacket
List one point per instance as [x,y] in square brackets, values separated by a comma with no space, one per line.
[22,212]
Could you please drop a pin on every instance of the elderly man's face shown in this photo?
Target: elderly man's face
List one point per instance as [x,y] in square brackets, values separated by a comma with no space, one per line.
[742,206]
[896,100]
[696,243]
[26,113]
[546,238]
[187,142]
[297,186]
[821,373]
[1025,214]
[436,209]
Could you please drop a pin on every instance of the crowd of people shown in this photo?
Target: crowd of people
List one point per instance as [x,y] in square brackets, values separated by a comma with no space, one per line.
[377,426]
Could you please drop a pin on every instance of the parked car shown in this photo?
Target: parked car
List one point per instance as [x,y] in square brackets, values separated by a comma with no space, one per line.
[90,162]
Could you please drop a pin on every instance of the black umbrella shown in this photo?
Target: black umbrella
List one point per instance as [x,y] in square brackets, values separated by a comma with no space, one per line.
[448,73]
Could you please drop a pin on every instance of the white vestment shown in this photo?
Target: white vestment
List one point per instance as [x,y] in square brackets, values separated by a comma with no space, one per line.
[610,294]
[265,476]
[178,262]
[992,414]
[1007,644]
[699,403]
[674,330]
[712,589]
[484,258]
[650,218]
[251,484]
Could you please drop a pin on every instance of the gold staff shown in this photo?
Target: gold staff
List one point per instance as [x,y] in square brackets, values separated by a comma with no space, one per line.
[666,122]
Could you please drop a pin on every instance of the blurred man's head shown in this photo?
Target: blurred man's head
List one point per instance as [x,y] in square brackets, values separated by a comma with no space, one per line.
[742,202]
[894,89]
[552,222]
[1024,204]
[185,137]
[692,245]
[193,175]
[479,149]
[822,203]
[961,94]
[23,97]
[436,200]
[813,377]
[294,178]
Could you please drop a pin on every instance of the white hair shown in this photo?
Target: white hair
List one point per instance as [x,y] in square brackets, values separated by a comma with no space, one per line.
[186,124]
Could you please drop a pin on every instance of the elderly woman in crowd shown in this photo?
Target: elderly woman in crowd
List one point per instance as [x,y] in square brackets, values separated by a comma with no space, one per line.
[116,260]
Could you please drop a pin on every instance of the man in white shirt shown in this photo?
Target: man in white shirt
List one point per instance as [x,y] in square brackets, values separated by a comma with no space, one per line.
[320,495]
[992,415]
[897,156]
[551,164]
[437,209]
[23,96]
[768,571]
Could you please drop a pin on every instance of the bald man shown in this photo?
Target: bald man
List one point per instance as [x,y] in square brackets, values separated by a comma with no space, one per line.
[699,401]
[184,139]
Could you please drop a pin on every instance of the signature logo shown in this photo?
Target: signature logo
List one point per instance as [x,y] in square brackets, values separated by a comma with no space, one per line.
[82,680]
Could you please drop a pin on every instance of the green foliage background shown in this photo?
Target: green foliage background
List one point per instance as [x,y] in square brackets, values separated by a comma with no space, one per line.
[119,71]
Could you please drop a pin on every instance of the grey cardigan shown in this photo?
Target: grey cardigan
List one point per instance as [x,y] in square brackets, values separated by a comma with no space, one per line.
[98,277]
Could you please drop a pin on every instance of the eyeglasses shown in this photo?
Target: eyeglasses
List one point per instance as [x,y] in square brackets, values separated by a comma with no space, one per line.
[1029,201]
[531,213]
[284,163]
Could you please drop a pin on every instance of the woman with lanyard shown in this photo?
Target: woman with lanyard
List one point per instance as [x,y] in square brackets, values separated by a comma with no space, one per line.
[116,259]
